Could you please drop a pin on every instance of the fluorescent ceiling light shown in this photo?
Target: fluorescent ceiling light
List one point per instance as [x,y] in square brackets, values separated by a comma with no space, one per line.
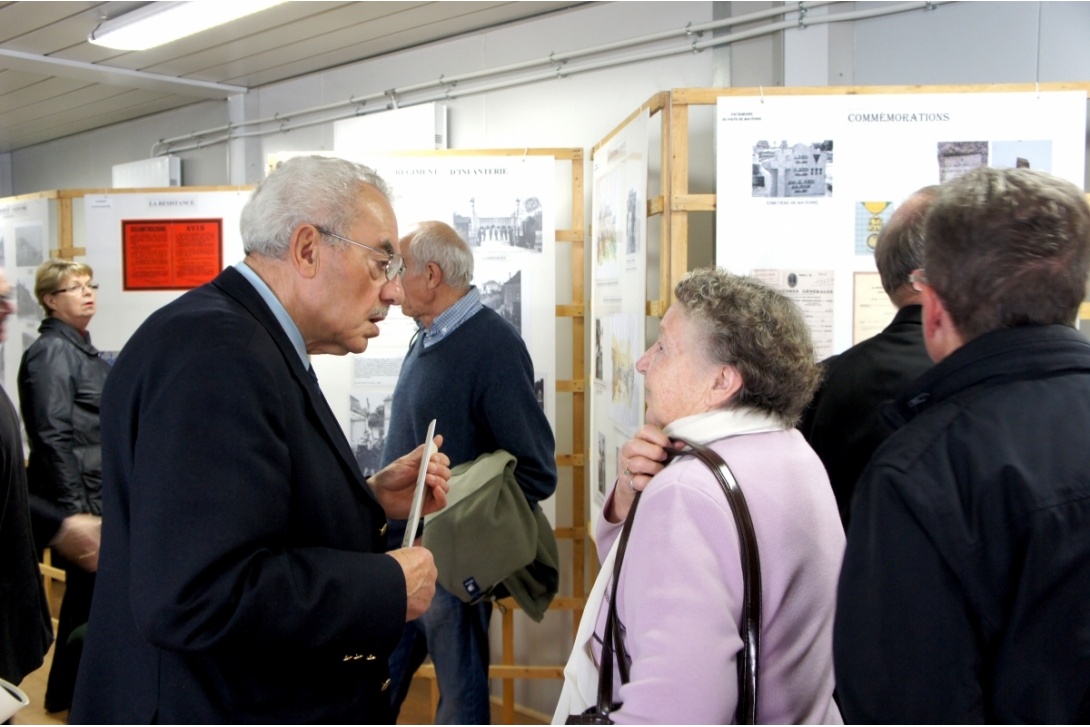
[161,22]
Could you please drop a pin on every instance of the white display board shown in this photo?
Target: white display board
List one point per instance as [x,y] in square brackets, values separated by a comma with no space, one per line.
[423,126]
[804,183]
[619,299]
[25,242]
[504,208]
[121,312]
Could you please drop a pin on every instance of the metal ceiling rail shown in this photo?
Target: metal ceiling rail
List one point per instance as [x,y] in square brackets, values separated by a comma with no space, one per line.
[556,65]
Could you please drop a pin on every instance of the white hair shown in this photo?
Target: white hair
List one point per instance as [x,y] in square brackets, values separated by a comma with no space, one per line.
[318,190]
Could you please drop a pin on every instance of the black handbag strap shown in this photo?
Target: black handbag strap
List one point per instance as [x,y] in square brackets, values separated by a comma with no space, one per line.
[750,627]
[612,638]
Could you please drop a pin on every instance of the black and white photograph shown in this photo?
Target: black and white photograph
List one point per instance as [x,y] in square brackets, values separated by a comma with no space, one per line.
[957,157]
[504,297]
[792,169]
[26,304]
[500,225]
[368,420]
[29,245]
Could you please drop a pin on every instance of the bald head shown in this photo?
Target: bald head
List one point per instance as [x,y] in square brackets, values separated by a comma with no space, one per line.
[439,243]
[899,250]
[439,270]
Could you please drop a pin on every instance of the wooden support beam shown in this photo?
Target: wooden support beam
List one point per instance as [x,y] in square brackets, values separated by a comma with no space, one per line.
[573,386]
[570,460]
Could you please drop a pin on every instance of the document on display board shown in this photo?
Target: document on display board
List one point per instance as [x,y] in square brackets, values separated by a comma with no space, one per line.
[418,494]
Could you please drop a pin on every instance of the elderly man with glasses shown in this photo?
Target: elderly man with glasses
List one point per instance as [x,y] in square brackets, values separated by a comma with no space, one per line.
[243,576]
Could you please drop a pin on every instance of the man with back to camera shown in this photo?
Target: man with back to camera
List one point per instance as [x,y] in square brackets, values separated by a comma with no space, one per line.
[242,576]
[844,423]
[963,594]
[468,369]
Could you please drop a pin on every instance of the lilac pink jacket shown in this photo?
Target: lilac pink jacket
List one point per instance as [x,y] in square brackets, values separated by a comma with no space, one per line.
[680,591]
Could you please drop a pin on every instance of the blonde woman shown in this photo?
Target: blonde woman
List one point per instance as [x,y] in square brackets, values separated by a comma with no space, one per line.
[60,385]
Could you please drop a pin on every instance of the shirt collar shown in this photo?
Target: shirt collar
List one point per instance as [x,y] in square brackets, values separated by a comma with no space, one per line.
[277,309]
[448,321]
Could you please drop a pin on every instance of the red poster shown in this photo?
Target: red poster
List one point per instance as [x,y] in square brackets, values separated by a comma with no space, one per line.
[171,254]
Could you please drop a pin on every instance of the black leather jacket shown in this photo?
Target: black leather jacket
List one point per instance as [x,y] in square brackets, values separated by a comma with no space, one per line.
[60,386]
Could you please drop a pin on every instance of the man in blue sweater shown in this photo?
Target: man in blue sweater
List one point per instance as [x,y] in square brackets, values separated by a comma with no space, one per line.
[469,369]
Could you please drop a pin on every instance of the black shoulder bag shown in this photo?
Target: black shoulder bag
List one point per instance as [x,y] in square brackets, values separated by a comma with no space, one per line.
[750,629]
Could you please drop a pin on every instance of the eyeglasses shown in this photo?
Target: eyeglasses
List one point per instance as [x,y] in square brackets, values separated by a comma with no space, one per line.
[392,266]
[918,279]
[81,288]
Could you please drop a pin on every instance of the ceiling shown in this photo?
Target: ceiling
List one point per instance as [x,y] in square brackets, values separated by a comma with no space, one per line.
[54,83]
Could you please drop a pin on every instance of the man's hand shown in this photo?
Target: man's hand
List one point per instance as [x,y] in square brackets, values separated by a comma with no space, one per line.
[78,540]
[393,485]
[420,575]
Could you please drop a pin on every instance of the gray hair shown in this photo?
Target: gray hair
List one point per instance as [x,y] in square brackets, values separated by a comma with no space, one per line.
[308,189]
[761,333]
[900,243]
[439,243]
[1008,247]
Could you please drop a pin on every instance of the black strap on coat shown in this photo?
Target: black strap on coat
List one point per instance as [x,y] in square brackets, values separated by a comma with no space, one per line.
[750,628]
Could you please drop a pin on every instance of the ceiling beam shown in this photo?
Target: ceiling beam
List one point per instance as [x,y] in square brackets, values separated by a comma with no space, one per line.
[95,73]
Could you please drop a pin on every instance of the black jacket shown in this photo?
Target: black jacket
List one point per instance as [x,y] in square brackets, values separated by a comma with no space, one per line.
[25,628]
[965,591]
[60,386]
[844,422]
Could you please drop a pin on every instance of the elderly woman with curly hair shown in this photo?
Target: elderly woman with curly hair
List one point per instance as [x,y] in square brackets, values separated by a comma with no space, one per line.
[733,369]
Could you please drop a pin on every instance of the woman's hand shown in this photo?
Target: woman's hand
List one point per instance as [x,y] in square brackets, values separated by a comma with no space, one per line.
[78,540]
[640,459]
[395,483]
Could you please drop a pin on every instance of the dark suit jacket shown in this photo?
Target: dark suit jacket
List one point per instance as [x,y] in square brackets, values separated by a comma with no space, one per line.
[844,423]
[241,576]
[25,627]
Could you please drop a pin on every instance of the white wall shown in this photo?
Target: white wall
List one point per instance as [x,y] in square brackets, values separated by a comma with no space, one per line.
[955,43]
[962,43]
[85,161]
[574,111]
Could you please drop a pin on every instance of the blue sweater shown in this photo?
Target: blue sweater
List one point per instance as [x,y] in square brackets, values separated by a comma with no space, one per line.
[478,384]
